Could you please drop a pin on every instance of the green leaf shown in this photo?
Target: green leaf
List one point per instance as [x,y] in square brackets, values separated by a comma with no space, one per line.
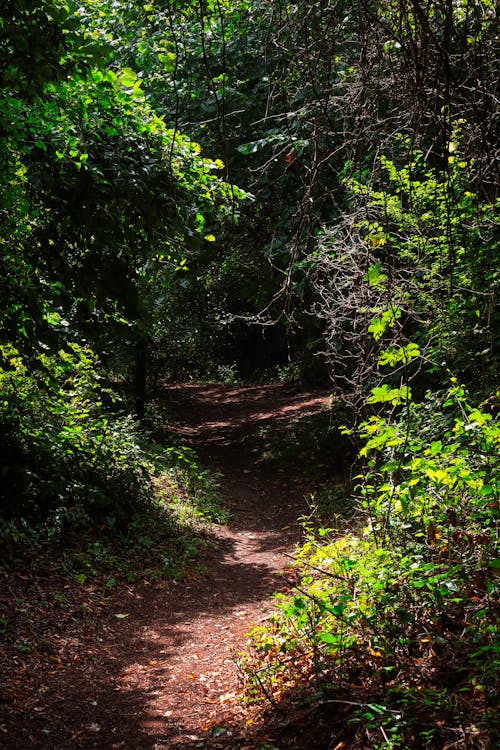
[374,276]
[127,78]
[327,637]
[385,393]
[378,326]
[377,708]
[393,355]
[436,447]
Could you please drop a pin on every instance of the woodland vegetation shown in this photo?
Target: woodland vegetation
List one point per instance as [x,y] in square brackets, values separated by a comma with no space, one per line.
[259,191]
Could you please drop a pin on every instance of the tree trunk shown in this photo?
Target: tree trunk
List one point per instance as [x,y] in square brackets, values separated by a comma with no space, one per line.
[140,378]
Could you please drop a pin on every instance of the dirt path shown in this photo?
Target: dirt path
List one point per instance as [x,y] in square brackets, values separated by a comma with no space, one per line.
[161,673]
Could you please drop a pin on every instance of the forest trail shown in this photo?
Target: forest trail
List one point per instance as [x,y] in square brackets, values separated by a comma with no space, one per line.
[161,672]
[232,427]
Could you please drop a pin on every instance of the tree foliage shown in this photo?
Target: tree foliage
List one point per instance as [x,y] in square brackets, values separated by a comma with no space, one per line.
[102,203]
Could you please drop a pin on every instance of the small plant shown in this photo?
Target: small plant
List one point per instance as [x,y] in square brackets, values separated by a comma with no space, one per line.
[227,373]
[197,490]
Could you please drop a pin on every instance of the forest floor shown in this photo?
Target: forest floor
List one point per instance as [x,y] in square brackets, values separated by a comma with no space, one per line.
[153,665]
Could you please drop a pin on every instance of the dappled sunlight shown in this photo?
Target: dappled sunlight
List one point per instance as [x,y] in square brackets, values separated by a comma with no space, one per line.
[156,668]
[184,636]
[211,419]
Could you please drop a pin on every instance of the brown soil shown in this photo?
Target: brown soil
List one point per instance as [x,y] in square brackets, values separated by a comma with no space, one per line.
[156,669]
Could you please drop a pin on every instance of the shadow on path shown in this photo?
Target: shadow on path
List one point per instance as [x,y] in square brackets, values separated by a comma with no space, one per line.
[158,669]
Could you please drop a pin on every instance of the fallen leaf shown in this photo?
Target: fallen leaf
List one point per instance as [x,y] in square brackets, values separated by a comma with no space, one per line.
[227,697]
[121,615]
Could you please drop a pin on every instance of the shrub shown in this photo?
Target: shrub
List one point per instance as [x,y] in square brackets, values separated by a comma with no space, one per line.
[64,444]
[400,614]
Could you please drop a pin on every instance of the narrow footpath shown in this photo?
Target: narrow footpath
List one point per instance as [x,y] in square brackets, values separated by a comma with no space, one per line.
[232,429]
[162,672]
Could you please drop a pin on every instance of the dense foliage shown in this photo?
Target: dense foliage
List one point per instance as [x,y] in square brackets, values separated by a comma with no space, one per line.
[101,204]
[361,244]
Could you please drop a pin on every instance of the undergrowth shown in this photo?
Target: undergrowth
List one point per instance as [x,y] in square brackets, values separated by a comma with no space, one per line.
[71,566]
[393,623]
[80,482]
[158,540]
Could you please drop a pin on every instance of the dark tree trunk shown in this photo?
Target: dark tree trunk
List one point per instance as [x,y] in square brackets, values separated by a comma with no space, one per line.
[140,377]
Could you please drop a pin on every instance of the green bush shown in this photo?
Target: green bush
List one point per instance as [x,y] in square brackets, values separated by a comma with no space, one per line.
[65,449]
[405,606]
